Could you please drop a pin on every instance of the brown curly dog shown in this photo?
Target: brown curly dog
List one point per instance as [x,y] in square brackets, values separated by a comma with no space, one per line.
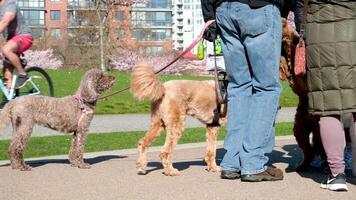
[71,114]
[304,123]
[171,102]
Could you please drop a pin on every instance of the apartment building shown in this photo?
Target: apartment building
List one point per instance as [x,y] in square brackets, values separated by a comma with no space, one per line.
[188,22]
[177,25]
[151,24]
[75,23]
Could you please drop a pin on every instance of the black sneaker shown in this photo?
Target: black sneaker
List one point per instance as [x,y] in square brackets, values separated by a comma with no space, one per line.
[21,81]
[337,183]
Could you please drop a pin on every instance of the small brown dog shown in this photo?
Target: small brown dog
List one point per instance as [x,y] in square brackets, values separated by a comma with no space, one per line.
[71,114]
[171,102]
[304,123]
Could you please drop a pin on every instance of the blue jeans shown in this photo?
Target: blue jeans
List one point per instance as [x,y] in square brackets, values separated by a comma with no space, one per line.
[252,48]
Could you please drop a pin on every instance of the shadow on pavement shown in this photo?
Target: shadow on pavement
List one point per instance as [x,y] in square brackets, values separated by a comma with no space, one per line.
[91,161]
[153,166]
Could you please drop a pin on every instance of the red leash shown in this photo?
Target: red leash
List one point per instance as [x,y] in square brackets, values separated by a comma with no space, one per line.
[189,48]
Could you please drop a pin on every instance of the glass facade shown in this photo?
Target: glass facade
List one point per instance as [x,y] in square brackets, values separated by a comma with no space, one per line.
[148,19]
[151,35]
[75,4]
[31,3]
[34,17]
[154,4]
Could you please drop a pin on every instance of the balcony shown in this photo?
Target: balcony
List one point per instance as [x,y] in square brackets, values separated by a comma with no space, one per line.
[180,31]
[180,24]
[179,10]
[179,2]
[180,16]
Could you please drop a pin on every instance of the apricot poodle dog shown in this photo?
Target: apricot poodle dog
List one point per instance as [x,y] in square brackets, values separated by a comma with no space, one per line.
[171,102]
[305,123]
[71,114]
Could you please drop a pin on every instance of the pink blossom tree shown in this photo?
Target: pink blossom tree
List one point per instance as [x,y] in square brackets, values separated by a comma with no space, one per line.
[43,58]
[125,60]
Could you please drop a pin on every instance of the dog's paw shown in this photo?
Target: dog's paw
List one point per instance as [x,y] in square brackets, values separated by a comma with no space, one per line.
[84,166]
[81,165]
[141,171]
[15,165]
[26,168]
[214,169]
[171,172]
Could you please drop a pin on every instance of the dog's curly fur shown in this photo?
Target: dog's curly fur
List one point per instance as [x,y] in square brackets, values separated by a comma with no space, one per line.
[65,114]
[171,102]
[304,123]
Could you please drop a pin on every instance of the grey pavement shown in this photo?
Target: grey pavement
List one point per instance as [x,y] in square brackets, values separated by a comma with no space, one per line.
[113,176]
[135,122]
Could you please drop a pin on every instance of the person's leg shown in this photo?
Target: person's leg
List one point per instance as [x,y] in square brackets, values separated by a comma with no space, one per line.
[7,73]
[333,139]
[10,52]
[239,87]
[262,30]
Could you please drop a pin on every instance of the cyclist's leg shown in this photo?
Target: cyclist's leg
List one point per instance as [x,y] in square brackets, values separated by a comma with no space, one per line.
[15,46]
[10,50]
[7,72]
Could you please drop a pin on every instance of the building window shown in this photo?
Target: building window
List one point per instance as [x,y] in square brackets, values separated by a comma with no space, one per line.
[154,4]
[38,32]
[34,17]
[31,3]
[56,33]
[55,1]
[149,19]
[55,14]
[120,15]
[120,34]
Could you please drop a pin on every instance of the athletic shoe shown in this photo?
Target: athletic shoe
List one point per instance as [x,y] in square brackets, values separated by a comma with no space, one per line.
[270,174]
[21,81]
[337,183]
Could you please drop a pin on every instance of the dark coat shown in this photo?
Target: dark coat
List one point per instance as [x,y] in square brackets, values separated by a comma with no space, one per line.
[331,56]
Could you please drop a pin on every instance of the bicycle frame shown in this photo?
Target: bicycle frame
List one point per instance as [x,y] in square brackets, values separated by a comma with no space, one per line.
[11,94]
[8,94]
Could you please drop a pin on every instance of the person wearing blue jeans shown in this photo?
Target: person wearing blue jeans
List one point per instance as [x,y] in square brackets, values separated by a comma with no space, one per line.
[251,39]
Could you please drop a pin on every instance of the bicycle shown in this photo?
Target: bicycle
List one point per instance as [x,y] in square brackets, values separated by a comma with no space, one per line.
[40,83]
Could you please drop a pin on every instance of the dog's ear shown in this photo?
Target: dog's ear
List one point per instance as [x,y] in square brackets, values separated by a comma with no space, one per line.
[283,69]
[87,88]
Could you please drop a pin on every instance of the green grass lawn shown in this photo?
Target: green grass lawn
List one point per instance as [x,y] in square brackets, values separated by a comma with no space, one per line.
[58,145]
[66,83]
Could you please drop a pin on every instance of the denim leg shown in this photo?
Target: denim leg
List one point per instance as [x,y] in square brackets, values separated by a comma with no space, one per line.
[263,52]
[239,88]
[251,45]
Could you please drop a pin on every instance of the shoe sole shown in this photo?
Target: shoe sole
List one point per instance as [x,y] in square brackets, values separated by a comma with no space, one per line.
[335,187]
[230,177]
[259,179]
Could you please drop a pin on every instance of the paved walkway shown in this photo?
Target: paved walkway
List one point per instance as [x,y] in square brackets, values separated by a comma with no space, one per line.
[113,176]
[134,122]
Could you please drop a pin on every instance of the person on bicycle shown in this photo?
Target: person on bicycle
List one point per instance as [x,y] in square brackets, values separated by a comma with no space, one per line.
[18,39]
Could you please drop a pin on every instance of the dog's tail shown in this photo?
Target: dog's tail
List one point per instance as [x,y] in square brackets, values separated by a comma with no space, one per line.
[5,116]
[145,84]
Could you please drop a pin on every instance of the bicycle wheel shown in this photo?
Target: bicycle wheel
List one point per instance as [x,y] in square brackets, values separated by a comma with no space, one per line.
[40,83]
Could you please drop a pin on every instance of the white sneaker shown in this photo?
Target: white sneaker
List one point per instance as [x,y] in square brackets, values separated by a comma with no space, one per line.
[337,183]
